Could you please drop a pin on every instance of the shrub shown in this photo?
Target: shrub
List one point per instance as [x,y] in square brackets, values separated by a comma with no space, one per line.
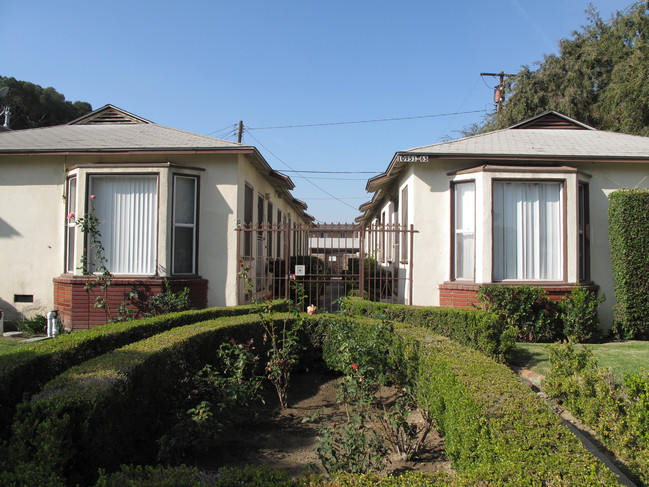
[618,414]
[107,410]
[345,341]
[579,315]
[497,431]
[525,308]
[26,369]
[628,216]
[35,325]
[377,281]
[147,476]
[473,328]
[167,302]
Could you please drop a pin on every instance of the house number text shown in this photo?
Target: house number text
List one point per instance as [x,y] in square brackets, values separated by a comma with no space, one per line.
[412,158]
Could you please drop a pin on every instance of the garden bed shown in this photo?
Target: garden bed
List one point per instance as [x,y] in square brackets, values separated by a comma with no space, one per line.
[281,439]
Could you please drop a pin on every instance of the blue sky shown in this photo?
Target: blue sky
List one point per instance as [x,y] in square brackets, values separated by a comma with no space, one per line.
[204,65]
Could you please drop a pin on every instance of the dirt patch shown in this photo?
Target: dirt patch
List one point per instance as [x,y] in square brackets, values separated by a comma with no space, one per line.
[280,439]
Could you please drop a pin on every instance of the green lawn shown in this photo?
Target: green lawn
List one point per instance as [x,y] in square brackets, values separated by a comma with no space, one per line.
[7,344]
[622,357]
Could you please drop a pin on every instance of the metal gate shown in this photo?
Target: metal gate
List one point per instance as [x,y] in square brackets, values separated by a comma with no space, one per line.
[329,261]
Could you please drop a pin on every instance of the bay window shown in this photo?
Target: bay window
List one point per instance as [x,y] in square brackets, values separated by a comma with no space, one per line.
[184,225]
[527,231]
[126,207]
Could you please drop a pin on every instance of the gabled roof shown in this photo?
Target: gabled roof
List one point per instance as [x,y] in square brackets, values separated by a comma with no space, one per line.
[551,120]
[110,129]
[547,138]
[109,114]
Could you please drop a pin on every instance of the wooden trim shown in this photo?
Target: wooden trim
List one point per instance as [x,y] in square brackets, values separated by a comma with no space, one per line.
[564,201]
[121,165]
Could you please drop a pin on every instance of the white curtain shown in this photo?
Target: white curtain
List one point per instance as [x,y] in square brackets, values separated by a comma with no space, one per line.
[465,230]
[527,231]
[127,207]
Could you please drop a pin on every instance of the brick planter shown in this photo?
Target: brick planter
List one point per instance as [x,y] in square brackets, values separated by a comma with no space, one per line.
[455,295]
[77,307]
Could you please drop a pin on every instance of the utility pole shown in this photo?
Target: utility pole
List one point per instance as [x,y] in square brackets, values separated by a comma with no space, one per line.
[499,89]
[240,131]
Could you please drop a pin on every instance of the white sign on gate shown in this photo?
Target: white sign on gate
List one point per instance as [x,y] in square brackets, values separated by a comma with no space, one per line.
[300,270]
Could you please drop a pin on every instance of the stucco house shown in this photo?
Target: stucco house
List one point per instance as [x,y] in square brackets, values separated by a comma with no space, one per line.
[523,205]
[168,202]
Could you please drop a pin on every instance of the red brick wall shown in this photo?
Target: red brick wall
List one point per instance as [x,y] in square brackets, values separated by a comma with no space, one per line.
[77,307]
[454,295]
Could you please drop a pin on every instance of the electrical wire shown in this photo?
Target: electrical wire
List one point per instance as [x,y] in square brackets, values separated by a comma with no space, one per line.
[229,128]
[327,199]
[331,172]
[364,121]
[307,180]
[340,179]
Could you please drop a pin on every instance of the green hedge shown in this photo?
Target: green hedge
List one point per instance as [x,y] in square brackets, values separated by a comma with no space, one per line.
[26,369]
[618,413]
[105,412]
[628,220]
[470,327]
[496,430]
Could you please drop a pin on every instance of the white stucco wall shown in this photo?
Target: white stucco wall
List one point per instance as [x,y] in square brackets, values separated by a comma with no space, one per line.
[33,210]
[32,219]
[430,213]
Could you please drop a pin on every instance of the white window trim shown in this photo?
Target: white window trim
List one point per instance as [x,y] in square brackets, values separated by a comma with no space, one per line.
[484,176]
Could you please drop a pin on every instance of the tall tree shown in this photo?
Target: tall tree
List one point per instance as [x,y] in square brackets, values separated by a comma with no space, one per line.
[598,77]
[34,106]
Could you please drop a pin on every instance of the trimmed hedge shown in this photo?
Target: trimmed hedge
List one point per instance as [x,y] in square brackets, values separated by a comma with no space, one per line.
[618,413]
[497,431]
[628,228]
[470,327]
[104,412]
[261,476]
[25,370]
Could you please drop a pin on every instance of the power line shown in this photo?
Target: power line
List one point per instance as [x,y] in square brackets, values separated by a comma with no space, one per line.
[364,121]
[228,128]
[341,179]
[307,180]
[327,199]
[331,172]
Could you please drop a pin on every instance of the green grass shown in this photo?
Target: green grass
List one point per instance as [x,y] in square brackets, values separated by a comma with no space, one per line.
[622,357]
[7,344]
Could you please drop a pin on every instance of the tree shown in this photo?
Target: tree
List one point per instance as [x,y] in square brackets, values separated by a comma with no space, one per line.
[598,77]
[34,106]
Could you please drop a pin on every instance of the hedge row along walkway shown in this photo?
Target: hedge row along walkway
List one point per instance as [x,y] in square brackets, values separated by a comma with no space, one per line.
[25,370]
[103,412]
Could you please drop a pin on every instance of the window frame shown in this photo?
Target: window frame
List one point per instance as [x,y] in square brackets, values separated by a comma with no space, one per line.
[563,227]
[248,216]
[156,231]
[405,244]
[454,232]
[194,225]
[583,232]
[269,213]
[71,224]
